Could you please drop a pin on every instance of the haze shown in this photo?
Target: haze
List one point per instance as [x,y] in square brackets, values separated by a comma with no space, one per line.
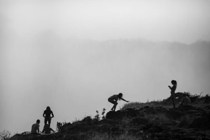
[73,55]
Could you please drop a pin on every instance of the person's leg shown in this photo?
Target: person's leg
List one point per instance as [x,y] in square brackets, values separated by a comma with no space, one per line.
[114,107]
[173,100]
[174,103]
[113,102]
[49,121]
[45,121]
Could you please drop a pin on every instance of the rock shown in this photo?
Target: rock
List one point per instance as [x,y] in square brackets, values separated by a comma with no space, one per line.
[114,115]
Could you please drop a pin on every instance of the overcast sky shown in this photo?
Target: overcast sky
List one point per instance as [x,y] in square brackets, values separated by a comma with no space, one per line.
[59,53]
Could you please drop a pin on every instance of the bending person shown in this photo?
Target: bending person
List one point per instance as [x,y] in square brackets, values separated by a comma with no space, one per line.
[114,98]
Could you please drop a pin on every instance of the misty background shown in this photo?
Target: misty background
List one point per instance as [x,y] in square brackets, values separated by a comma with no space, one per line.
[73,55]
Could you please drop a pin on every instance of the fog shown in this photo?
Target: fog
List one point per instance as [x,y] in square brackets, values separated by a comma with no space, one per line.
[73,55]
[165,20]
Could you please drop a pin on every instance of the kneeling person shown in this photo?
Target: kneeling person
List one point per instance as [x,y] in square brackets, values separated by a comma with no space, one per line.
[47,129]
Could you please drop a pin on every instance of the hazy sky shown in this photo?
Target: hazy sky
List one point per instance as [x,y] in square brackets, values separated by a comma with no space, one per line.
[59,53]
[179,20]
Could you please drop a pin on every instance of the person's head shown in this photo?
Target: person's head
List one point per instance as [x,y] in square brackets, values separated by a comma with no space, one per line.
[38,121]
[173,82]
[48,108]
[120,95]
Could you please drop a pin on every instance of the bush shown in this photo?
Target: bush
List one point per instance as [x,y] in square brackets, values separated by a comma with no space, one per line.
[5,135]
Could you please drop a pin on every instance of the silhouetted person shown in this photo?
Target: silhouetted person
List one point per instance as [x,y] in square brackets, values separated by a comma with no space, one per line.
[35,127]
[48,114]
[114,98]
[47,129]
[173,89]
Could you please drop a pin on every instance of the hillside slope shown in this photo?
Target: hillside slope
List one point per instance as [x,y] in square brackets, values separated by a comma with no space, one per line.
[146,121]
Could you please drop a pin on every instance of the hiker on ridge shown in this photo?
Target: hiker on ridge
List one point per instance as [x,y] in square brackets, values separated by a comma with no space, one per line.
[173,89]
[114,98]
[35,127]
[48,115]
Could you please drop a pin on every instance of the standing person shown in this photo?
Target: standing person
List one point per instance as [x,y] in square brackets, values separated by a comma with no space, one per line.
[35,127]
[48,115]
[173,89]
[114,98]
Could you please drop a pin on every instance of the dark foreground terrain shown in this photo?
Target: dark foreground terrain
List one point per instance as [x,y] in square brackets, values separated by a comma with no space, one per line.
[155,120]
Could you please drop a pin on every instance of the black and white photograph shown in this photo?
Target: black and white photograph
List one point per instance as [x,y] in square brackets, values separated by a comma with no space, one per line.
[104,70]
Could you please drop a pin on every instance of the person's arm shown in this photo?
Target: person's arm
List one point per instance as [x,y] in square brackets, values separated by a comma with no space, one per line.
[52,130]
[124,100]
[44,114]
[52,115]
[170,87]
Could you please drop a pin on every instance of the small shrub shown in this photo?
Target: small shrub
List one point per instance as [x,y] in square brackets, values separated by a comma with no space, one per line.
[97,117]
[5,135]
[103,113]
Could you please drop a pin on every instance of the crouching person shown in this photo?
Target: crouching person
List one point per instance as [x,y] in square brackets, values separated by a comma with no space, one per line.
[47,129]
[114,98]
